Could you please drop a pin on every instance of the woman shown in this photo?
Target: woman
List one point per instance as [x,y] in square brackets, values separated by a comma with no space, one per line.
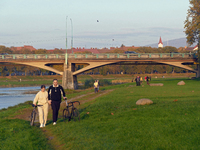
[42,99]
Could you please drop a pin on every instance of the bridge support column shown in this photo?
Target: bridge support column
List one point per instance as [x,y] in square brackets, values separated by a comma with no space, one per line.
[198,71]
[69,81]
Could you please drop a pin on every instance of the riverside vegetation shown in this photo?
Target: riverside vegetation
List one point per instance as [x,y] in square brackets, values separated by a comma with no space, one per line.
[114,121]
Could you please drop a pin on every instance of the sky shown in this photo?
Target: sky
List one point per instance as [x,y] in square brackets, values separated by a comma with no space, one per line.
[91,23]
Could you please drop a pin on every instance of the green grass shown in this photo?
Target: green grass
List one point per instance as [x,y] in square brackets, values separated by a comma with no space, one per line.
[17,134]
[13,81]
[164,125]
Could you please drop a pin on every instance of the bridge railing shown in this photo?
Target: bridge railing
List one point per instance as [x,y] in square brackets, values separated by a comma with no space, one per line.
[131,56]
[33,56]
[99,56]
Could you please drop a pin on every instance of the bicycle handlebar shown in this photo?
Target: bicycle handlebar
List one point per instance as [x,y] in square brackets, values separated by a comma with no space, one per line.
[36,105]
[74,102]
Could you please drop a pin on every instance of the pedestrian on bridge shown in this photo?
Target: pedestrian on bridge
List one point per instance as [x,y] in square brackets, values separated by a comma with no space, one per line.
[54,95]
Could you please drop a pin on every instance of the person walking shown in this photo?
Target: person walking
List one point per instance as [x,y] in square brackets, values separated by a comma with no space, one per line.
[95,86]
[42,99]
[147,80]
[141,80]
[137,81]
[54,96]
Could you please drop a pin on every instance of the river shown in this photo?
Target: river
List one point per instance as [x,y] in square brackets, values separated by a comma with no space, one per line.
[14,96]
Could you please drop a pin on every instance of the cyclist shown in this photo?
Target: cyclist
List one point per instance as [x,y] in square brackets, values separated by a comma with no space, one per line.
[42,99]
[54,96]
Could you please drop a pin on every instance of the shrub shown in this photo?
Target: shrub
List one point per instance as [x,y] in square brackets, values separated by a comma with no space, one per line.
[103,82]
[89,83]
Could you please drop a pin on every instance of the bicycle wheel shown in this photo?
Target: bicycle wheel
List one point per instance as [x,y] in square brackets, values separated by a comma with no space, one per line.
[66,115]
[33,114]
[76,115]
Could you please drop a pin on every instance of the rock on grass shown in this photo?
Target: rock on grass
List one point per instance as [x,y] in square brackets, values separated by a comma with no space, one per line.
[144,101]
[181,83]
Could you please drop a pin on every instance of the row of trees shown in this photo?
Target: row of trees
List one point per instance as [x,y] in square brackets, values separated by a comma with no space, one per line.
[11,50]
[136,69]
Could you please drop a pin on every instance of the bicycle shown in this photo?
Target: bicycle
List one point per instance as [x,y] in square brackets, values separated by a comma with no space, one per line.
[33,114]
[74,114]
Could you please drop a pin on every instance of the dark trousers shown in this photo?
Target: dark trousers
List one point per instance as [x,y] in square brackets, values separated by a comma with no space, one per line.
[95,90]
[55,105]
[138,83]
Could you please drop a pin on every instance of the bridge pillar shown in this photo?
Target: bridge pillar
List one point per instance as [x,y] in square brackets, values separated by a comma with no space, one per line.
[69,81]
[198,71]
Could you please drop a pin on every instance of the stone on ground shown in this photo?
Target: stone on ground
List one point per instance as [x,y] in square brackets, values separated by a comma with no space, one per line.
[144,101]
[156,84]
[181,83]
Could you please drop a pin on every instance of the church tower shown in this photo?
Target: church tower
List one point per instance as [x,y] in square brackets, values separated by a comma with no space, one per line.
[160,44]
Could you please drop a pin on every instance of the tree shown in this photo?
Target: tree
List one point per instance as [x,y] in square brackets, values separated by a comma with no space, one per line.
[192,26]
[58,51]
[4,49]
[192,23]
[41,51]
[122,46]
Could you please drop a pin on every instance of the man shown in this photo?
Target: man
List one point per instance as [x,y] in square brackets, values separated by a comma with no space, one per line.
[137,81]
[147,80]
[95,86]
[54,96]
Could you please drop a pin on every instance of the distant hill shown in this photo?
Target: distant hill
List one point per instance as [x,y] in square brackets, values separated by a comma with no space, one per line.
[182,42]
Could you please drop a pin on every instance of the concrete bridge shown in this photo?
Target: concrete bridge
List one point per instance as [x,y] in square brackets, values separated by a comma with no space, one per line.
[97,60]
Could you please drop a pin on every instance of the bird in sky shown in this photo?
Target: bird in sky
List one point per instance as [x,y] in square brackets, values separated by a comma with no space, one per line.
[97,20]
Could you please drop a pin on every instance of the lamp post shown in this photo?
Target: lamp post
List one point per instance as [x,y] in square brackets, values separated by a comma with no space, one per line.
[66,43]
[71,35]
[66,34]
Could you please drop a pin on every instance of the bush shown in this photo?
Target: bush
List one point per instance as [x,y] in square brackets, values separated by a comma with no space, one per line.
[103,82]
[89,83]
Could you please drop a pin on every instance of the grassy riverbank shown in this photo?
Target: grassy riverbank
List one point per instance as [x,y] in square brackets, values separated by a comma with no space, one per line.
[114,121]
[22,81]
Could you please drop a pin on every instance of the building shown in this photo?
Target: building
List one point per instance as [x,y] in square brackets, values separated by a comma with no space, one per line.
[191,48]
[195,48]
[160,44]
[23,47]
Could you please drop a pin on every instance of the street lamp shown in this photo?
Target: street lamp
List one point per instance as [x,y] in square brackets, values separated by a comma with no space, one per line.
[71,35]
[66,34]
[66,43]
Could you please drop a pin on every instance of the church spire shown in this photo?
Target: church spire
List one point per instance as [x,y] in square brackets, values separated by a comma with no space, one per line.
[160,44]
[160,41]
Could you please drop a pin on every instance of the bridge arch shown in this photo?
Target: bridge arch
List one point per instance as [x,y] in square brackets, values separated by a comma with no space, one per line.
[93,65]
[37,64]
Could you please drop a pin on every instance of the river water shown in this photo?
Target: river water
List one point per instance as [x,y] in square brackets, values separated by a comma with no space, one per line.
[14,96]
